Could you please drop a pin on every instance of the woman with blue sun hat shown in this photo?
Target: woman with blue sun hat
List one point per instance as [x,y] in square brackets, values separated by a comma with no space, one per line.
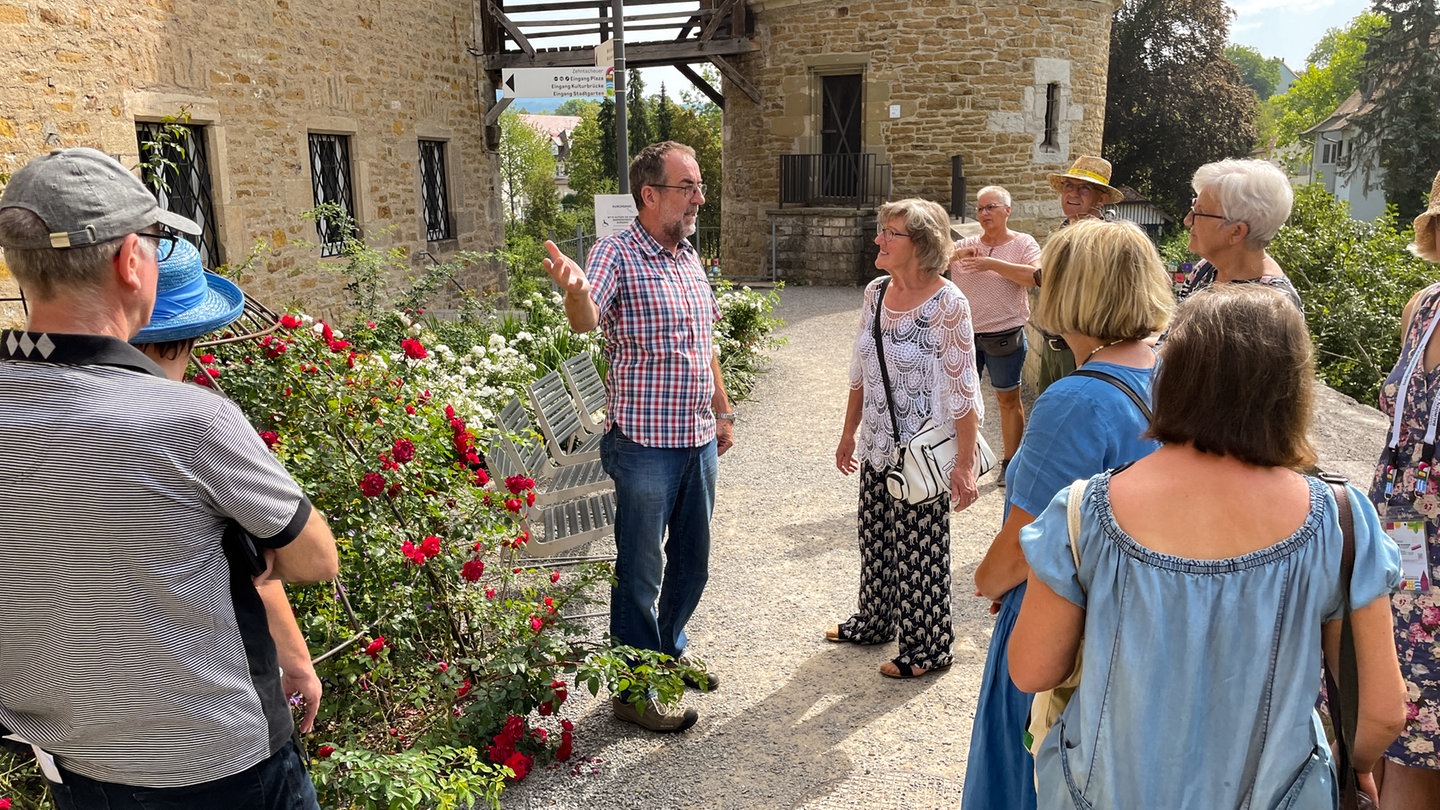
[191,302]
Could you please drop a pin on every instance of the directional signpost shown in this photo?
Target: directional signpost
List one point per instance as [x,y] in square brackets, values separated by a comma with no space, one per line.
[564,82]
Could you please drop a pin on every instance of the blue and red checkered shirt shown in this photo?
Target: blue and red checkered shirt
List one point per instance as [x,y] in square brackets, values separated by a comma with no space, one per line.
[658,315]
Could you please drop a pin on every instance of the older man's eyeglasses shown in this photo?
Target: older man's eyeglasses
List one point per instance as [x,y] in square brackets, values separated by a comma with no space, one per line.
[164,244]
[889,235]
[1195,213]
[688,189]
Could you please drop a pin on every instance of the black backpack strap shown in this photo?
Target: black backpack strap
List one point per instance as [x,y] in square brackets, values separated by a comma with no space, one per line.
[1118,383]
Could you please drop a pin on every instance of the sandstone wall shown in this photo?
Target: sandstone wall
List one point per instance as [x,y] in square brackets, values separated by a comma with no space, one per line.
[260,77]
[968,78]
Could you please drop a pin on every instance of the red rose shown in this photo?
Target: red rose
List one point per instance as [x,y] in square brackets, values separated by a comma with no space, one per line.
[414,349]
[561,692]
[443,667]
[206,359]
[567,725]
[291,322]
[270,437]
[515,483]
[430,546]
[567,746]
[481,478]
[4,804]
[403,451]
[536,623]
[513,504]
[546,709]
[472,570]
[338,346]
[489,593]
[549,604]
[374,648]
[326,332]
[554,577]
[323,752]
[372,485]
[520,764]
[464,689]
[530,498]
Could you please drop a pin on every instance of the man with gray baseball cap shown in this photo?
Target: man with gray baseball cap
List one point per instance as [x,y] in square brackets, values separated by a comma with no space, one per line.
[137,660]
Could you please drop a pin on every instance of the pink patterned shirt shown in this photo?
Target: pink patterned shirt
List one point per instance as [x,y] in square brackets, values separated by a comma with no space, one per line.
[997,304]
[658,315]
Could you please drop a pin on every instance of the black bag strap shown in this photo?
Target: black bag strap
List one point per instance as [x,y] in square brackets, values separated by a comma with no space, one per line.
[1345,700]
[1118,383]
[880,355]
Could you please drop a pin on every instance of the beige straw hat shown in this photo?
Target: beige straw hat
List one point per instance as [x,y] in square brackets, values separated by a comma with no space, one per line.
[1425,225]
[1092,170]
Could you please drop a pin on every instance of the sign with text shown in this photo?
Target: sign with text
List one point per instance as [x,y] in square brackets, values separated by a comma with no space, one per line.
[565,82]
[613,213]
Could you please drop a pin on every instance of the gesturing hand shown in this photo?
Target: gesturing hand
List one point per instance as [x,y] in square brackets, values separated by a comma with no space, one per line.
[566,273]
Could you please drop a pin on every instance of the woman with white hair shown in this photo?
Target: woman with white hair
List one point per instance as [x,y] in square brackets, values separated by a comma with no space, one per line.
[1238,208]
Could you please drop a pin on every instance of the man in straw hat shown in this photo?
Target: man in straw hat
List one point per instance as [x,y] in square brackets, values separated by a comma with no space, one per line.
[1084,192]
[128,659]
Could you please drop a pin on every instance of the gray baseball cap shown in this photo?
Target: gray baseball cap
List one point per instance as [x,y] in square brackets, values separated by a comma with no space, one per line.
[84,197]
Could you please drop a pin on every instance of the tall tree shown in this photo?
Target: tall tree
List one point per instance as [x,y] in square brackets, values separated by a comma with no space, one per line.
[1175,102]
[637,115]
[592,156]
[1402,83]
[1332,73]
[527,168]
[1262,74]
[663,115]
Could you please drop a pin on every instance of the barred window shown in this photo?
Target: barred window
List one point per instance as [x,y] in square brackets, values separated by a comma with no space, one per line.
[175,165]
[1052,115]
[434,194]
[330,178]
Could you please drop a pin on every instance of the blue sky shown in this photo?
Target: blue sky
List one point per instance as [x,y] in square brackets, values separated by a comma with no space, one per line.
[1289,28]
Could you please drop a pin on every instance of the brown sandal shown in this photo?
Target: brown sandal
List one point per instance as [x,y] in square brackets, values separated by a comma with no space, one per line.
[834,636]
[904,671]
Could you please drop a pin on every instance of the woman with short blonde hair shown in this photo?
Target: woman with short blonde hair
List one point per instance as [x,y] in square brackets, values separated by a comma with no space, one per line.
[1105,291]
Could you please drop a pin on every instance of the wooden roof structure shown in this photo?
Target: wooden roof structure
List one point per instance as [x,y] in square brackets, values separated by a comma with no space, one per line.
[656,33]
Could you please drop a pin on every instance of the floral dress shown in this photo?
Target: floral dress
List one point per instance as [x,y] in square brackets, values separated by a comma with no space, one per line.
[1417,615]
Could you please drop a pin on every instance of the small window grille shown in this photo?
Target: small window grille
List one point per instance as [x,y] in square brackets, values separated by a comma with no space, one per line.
[434,194]
[330,178]
[176,167]
[1052,115]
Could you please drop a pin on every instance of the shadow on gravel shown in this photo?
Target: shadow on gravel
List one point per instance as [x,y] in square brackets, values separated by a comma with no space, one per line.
[792,742]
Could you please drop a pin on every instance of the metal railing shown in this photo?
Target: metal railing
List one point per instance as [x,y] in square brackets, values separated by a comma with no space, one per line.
[850,179]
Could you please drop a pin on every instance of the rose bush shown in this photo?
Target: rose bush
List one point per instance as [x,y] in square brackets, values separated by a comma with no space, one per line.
[446,655]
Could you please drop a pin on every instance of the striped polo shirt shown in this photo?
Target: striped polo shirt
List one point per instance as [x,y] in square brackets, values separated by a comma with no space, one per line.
[128,649]
[658,315]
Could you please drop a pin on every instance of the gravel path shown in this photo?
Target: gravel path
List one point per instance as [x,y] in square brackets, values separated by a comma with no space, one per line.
[798,722]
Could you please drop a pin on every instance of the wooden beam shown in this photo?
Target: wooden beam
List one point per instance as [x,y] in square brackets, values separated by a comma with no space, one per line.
[641,54]
[702,85]
[734,76]
[720,14]
[511,28]
[492,117]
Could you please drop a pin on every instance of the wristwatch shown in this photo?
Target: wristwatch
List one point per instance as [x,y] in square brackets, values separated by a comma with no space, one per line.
[725,417]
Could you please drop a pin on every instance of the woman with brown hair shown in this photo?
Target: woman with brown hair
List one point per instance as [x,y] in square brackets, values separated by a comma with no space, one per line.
[1208,582]
[929,359]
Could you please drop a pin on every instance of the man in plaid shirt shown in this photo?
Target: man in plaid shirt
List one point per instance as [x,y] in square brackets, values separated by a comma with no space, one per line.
[667,417]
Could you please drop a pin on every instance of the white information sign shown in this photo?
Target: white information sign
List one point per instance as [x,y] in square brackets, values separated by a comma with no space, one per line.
[613,213]
[566,82]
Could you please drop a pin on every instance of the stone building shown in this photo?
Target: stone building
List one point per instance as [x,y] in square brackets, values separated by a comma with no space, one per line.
[865,100]
[376,106]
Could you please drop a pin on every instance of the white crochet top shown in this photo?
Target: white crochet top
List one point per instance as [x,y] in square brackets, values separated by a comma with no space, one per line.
[930,354]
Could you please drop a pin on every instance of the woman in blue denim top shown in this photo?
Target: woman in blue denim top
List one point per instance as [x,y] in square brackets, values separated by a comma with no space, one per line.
[1208,586]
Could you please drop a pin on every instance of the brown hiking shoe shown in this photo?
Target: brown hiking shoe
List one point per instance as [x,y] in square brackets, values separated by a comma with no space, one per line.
[651,715]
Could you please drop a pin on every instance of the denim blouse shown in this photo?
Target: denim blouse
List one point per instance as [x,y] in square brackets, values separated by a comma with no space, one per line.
[1200,676]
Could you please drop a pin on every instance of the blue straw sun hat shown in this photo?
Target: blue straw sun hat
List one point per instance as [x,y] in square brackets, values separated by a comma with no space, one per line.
[190,301]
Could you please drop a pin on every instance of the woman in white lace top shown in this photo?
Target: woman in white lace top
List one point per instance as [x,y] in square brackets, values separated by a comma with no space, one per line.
[930,359]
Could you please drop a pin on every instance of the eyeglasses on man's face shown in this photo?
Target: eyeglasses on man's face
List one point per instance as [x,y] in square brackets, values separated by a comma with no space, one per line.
[1195,213]
[1073,187]
[991,207]
[889,235]
[688,189]
[164,244]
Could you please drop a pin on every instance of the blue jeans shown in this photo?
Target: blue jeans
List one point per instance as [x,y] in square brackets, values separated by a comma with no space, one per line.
[278,783]
[658,489]
[1005,370]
